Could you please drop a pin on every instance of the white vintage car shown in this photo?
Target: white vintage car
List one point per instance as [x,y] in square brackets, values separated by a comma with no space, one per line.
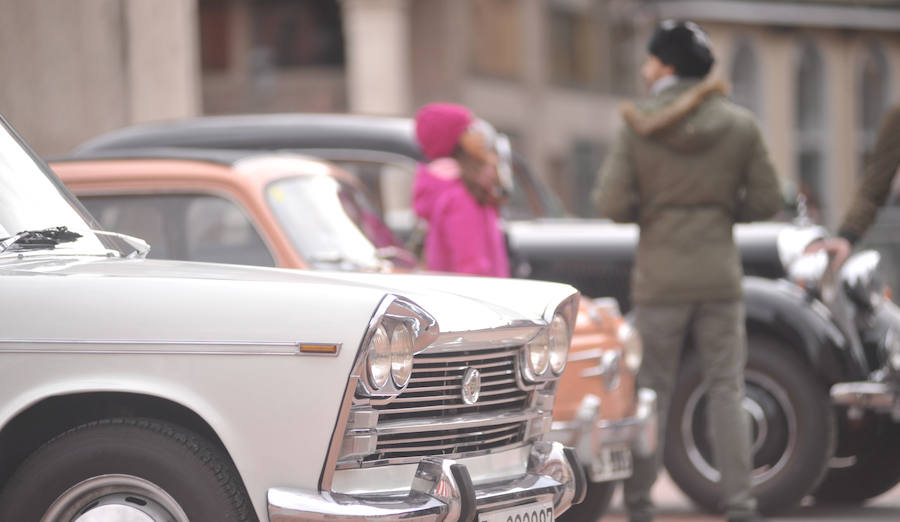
[133,389]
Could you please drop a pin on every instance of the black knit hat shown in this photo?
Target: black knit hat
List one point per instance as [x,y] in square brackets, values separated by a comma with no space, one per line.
[684,46]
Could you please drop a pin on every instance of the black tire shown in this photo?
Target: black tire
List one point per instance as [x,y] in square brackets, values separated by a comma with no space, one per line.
[596,502]
[866,463]
[793,429]
[132,464]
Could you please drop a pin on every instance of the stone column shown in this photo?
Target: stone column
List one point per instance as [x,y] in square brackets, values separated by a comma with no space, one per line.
[377,47]
[163,66]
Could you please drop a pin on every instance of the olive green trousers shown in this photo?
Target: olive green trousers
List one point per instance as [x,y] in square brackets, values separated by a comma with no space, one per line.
[718,333]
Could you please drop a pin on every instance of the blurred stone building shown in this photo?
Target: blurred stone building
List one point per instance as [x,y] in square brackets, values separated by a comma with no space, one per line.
[551,73]
[74,69]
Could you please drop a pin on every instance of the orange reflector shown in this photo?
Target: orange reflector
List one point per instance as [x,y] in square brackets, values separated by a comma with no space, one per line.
[888,293]
[319,348]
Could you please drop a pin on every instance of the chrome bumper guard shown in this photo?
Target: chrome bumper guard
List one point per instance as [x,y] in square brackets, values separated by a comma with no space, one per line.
[443,490]
[876,396]
[591,435]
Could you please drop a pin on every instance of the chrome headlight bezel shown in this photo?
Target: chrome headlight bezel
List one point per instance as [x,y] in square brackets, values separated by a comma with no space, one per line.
[563,313]
[861,280]
[890,349]
[394,318]
[632,346]
[560,341]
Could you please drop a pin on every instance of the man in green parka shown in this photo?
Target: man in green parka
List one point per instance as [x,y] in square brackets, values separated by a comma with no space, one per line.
[686,166]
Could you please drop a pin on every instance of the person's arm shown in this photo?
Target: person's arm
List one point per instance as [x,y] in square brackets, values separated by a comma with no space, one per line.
[875,185]
[761,198]
[615,194]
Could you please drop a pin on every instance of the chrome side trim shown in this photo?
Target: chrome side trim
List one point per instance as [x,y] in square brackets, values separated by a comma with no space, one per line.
[186,347]
[340,428]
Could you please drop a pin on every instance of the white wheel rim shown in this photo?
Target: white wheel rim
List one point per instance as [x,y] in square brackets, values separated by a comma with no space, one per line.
[115,498]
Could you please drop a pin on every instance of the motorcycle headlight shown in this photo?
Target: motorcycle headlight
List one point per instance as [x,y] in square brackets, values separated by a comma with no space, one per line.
[861,279]
[401,355]
[632,346]
[537,353]
[559,344]
[379,359]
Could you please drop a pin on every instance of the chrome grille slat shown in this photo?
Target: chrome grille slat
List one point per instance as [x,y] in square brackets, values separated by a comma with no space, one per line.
[455,406]
[415,380]
[405,438]
[432,398]
[484,383]
[405,449]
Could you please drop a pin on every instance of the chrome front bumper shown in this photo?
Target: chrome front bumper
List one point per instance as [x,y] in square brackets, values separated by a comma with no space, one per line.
[590,435]
[443,490]
[875,396]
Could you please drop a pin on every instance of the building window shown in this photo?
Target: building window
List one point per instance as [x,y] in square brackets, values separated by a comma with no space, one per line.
[572,46]
[872,91]
[809,122]
[745,76]
[496,44]
[298,33]
[215,34]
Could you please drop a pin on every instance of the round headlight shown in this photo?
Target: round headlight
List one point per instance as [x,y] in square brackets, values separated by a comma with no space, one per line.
[401,355]
[559,344]
[538,352]
[379,359]
[633,347]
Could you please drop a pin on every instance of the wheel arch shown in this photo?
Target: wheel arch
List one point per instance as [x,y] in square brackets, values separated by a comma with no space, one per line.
[781,310]
[51,416]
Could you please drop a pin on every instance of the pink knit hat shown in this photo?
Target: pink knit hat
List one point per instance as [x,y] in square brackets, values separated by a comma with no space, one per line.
[439,126]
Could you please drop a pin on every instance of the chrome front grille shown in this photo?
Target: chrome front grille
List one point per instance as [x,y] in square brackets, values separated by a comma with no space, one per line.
[435,389]
[430,417]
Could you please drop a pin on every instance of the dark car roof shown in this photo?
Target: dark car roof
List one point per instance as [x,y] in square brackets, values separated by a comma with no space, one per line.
[227,157]
[266,132]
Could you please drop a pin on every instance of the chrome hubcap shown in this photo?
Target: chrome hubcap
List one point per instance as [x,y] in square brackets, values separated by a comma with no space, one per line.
[115,498]
[772,418]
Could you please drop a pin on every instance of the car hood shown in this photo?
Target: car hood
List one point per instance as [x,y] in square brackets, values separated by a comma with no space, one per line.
[217,297]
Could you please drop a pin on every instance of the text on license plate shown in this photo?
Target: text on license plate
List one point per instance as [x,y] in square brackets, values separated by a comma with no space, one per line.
[539,512]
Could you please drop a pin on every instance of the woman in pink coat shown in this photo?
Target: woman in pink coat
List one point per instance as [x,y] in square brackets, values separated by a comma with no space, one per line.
[457,193]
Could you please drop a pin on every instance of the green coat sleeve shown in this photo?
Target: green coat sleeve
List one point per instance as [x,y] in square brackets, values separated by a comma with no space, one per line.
[875,185]
[615,194]
[761,196]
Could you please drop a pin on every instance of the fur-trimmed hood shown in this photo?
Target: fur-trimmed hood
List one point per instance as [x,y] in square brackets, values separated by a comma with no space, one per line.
[685,116]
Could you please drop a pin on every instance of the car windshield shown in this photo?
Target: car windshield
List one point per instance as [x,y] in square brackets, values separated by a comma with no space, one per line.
[329,223]
[30,200]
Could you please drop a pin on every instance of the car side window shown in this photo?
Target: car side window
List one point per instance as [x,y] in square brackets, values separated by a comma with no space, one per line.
[218,231]
[188,227]
[139,216]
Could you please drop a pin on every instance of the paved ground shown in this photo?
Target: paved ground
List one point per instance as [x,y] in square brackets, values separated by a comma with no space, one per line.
[675,507]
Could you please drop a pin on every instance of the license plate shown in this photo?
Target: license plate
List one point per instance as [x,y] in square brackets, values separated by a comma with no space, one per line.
[539,512]
[611,464]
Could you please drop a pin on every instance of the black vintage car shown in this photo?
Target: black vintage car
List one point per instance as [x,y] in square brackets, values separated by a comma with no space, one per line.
[797,348]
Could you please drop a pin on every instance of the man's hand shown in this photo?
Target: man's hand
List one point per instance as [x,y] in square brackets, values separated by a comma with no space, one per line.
[838,249]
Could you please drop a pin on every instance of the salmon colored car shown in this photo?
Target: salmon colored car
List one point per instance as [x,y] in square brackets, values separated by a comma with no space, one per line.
[291,211]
